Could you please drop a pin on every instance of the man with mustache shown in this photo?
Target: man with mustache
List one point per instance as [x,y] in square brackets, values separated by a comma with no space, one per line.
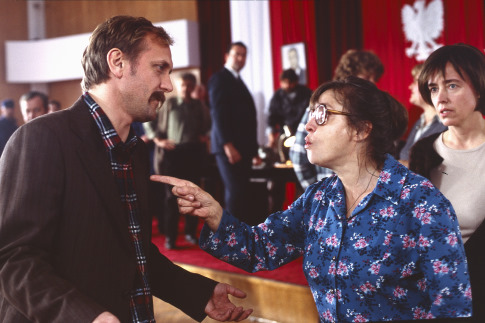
[75,226]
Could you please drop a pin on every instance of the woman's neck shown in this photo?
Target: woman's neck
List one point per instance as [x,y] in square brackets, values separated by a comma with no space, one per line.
[468,136]
[358,182]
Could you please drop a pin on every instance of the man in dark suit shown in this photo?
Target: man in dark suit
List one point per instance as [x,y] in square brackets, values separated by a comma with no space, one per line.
[8,124]
[234,129]
[75,228]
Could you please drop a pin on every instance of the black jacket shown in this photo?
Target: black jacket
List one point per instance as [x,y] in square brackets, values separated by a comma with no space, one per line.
[233,115]
[65,251]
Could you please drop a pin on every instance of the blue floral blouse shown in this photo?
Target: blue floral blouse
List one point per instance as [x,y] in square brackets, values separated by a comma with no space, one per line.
[398,257]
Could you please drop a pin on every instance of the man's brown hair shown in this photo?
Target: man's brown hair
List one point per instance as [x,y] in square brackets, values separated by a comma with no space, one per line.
[123,32]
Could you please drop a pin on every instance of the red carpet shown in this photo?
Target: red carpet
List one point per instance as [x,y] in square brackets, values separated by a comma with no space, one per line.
[193,255]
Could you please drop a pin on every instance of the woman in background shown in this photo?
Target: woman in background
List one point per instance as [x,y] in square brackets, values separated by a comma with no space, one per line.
[427,124]
[453,81]
[379,242]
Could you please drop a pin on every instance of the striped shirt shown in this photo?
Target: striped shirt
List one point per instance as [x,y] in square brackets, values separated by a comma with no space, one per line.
[120,155]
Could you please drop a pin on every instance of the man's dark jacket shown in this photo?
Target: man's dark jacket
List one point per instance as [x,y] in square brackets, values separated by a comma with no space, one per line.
[65,249]
[233,115]
[285,109]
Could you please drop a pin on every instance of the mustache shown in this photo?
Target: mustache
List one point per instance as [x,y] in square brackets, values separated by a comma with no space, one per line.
[158,96]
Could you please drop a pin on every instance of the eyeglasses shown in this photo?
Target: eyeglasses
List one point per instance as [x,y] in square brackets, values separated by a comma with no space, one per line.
[321,112]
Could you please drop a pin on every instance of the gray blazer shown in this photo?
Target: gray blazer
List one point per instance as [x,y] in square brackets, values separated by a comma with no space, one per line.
[65,250]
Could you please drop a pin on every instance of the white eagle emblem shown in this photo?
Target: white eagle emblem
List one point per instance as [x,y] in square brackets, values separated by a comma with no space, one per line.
[422,25]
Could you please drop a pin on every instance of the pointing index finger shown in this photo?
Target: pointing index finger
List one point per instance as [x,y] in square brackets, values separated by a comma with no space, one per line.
[169,180]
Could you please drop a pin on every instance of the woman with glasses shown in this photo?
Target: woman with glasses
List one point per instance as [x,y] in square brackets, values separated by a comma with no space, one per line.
[379,243]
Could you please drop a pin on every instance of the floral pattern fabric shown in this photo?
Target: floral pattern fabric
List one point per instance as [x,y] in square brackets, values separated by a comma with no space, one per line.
[399,256]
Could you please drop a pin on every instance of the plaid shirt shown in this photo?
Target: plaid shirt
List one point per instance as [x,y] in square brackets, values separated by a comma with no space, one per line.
[306,172]
[120,155]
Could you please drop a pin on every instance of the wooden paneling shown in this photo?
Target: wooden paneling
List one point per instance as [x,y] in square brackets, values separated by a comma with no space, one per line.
[76,17]
[272,301]
[66,92]
[13,26]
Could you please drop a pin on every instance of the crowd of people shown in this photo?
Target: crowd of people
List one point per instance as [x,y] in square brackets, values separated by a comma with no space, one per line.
[389,229]
[373,234]
[32,105]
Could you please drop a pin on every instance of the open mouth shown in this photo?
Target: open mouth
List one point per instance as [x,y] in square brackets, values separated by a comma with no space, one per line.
[444,112]
[159,97]
[307,143]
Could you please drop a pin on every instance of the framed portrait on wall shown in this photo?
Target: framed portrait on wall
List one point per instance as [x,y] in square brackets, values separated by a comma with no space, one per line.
[294,56]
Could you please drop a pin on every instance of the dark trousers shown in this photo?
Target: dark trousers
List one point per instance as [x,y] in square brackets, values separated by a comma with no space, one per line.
[185,161]
[236,187]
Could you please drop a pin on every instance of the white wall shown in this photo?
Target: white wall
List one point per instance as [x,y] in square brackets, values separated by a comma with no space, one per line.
[250,24]
[59,59]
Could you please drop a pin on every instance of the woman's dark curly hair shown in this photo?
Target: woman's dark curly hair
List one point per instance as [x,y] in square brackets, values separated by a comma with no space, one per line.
[369,106]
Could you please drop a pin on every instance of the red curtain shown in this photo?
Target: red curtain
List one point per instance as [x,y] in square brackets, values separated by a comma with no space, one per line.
[214,35]
[338,28]
[330,27]
[383,33]
[292,21]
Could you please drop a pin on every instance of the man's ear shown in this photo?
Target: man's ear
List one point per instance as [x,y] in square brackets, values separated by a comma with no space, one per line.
[116,62]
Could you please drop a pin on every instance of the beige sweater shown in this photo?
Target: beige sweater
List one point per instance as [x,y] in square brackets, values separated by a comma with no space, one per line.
[461,179]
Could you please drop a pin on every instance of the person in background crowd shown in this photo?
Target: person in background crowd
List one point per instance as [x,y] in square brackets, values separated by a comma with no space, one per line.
[360,63]
[54,106]
[286,107]
[33,104]
[75,226]
[180,136]
[379,243]
[200,93]
[8,124]
[426,125]
[234,130]
[453,81]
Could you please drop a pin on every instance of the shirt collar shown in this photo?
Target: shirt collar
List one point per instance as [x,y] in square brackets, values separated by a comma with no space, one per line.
[389,185]
[391,180]
[111,139]
[233,71]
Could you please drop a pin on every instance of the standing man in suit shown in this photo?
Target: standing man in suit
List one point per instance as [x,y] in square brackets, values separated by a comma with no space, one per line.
[75,230]
[8,124]
[234,130]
